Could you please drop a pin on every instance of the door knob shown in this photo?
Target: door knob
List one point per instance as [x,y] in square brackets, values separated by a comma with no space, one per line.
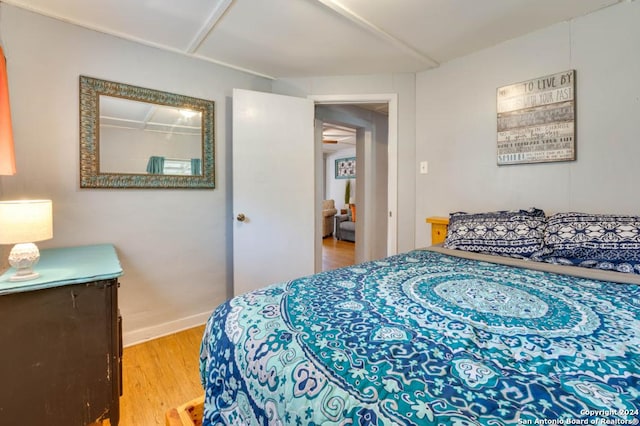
[241,217]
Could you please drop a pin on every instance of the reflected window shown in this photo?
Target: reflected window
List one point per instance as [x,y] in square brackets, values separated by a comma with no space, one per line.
[177,167]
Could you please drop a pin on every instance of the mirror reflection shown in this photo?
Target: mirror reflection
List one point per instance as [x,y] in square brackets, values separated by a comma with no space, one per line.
[139,137]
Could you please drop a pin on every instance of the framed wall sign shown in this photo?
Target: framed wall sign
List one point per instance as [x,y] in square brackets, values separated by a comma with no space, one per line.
[536,120]
[346,168]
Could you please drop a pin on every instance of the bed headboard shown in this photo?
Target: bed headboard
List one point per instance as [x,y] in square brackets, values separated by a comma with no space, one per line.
[438,228]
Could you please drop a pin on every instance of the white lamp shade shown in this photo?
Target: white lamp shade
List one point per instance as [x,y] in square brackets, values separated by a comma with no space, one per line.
[25,221]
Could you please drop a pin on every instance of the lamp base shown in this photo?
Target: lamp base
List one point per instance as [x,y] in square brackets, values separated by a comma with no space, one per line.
[24,277]
[23,257]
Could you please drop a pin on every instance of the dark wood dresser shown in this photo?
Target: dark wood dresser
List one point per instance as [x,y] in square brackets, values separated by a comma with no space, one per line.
[60,340]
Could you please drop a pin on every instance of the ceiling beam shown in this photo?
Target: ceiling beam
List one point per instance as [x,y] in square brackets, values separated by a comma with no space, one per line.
[342,10]
[208,25]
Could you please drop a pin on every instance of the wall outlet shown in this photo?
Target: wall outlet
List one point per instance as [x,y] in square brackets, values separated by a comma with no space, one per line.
[424,167]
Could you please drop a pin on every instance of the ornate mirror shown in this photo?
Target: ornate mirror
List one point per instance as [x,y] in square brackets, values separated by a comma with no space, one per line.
[133,137]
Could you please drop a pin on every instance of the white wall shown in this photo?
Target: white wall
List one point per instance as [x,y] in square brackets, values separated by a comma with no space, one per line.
[456,123]
[404,86]
[174,245]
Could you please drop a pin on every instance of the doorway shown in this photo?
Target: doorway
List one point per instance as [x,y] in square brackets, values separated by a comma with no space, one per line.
[338,189]
[356,136]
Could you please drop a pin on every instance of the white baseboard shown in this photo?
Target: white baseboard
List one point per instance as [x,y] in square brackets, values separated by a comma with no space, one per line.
[142,335]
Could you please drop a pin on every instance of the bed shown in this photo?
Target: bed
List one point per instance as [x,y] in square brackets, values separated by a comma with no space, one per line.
[432,336]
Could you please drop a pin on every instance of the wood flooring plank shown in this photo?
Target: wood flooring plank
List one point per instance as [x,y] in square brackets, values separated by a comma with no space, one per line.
[337,253]
[158,375]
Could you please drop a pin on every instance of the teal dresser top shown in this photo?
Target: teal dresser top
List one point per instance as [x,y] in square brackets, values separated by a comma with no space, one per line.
[69,265]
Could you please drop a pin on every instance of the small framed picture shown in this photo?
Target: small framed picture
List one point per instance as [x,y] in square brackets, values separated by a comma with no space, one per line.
[346,168]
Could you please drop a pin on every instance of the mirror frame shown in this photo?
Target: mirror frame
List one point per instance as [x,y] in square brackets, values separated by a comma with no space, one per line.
[90,175]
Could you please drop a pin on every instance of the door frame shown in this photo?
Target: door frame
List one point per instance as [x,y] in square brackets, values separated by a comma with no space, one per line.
[392,158]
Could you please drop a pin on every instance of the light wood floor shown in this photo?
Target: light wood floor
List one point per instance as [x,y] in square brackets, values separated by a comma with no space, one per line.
[158,375]
[337,253]
[164,373]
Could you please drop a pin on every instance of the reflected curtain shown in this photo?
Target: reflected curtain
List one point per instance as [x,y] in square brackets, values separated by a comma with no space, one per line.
[7,152]
[155,166]
[196,166]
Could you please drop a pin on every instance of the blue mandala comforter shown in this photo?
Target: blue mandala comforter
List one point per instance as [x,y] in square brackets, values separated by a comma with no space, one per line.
[424,338]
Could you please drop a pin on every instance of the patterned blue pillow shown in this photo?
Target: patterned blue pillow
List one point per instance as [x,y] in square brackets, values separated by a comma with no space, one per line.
[594,241]
[514,233]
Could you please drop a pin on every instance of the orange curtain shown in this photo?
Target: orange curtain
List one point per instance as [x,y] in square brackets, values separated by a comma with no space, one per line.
[7,154]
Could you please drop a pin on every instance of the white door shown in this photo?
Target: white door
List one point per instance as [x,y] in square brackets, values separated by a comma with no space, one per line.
[273,189]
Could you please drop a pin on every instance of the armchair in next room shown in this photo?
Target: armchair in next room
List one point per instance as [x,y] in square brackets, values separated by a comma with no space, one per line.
[346,225]
[328,212]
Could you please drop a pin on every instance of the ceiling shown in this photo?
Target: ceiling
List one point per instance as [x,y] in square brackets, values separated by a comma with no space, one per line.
[302,38]
[336,138]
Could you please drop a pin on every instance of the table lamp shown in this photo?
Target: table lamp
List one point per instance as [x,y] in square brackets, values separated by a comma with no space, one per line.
[23,222]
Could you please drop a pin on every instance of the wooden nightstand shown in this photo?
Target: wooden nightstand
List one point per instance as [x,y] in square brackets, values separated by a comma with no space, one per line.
[61,340]
[438,228]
